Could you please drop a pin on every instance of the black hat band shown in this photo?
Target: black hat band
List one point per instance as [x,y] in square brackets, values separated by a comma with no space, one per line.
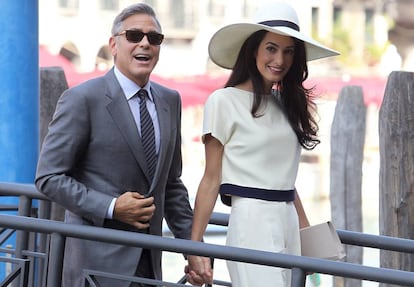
[275,23]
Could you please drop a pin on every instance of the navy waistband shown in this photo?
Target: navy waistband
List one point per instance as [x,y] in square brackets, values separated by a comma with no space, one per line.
[257,193]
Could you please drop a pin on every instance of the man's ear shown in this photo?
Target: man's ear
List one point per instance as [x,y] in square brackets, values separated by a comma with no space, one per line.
[112,46]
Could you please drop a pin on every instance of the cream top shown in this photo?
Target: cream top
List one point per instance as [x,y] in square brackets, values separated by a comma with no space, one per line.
[259,152]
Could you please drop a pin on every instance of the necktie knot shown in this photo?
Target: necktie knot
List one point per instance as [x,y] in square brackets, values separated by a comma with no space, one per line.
[143,94]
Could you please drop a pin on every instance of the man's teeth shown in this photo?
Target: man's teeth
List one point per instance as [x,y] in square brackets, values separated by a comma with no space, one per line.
[142,58]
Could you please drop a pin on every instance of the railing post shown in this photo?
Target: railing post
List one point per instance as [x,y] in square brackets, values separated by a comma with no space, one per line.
[298,277]
[22,237]
[24,275]
[57,245]
[43,213]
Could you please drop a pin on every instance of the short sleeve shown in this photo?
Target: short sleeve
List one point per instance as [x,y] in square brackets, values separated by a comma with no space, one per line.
[215,121]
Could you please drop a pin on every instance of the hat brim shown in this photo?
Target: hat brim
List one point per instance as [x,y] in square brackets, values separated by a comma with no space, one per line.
[225,45]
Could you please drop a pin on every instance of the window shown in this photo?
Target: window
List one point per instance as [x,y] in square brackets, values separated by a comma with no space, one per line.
[69,4]
[216,8]
[179,13]
[110,5]
[315,21]
[337,14]
[369,25]
[152,4]
[69,8]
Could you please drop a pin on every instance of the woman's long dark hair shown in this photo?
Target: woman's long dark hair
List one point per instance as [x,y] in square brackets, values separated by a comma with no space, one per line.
[296,100]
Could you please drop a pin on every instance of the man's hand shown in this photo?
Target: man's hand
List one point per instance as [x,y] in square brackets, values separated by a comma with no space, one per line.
[134,209]
[199,270]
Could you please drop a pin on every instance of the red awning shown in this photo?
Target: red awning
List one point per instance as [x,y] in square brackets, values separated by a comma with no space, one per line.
[373,88]
[194,90]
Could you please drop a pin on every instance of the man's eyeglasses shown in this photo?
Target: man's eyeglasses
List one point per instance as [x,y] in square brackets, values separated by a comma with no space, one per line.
[136,36]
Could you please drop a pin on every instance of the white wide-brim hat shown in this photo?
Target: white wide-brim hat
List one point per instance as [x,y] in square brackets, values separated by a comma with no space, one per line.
[277,17]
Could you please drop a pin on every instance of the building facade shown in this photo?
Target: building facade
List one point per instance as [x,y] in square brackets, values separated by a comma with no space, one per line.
[80,29]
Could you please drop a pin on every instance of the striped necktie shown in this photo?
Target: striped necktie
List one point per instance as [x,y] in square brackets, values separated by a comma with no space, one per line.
[147,133]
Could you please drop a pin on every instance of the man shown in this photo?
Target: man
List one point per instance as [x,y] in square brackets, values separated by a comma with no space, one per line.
[94,159]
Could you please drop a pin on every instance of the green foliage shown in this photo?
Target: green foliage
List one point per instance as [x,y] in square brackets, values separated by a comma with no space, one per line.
[341,42]
[374,52]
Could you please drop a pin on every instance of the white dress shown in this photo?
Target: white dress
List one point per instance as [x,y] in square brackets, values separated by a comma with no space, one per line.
[262,153]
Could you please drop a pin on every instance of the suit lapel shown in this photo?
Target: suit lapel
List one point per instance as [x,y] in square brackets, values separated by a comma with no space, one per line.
[123,118]
[164,120]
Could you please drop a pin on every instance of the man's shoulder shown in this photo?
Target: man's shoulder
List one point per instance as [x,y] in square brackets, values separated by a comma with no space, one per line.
[162,88]
[99,83]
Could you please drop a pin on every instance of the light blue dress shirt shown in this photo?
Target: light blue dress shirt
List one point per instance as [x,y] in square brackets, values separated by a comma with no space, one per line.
[130,89]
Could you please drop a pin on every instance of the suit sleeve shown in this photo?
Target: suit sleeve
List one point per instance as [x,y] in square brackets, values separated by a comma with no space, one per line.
[62,150]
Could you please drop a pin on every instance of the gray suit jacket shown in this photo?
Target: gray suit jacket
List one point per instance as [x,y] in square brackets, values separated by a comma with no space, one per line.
[92,153]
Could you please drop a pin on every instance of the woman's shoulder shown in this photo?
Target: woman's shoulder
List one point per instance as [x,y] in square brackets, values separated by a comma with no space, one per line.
[228,94]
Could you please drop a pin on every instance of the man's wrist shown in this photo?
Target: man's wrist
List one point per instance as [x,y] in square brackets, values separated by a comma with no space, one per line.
[110,211]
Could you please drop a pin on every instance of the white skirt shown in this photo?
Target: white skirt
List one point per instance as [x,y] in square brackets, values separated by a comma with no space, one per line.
[263,225]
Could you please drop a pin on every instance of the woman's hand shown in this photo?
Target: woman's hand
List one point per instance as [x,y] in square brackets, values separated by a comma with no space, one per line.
[199,270]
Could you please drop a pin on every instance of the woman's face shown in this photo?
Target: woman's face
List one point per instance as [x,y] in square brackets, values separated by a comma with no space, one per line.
[274,57]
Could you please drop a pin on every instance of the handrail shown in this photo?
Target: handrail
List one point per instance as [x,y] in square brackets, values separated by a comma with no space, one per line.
[228,253]
[18,189]
[349,237]
[307,264]
[221,219]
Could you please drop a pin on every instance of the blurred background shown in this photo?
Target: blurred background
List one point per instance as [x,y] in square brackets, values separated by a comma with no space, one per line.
[374,38]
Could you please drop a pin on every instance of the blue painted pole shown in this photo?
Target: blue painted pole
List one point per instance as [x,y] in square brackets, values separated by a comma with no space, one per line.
[19,94]
[19,90]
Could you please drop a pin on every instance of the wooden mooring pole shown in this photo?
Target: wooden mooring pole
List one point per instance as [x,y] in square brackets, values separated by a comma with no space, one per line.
[52,84]
[396,181]
[347,153]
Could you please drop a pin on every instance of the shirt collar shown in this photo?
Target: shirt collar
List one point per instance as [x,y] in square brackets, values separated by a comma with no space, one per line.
[129,87]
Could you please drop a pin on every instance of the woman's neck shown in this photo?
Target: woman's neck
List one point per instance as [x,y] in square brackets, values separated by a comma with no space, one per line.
[246,86]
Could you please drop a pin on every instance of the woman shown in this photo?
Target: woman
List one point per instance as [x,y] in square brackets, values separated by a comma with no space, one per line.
[253,132]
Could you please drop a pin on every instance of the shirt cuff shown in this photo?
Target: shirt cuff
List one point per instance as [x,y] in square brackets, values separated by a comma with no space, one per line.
[110,211]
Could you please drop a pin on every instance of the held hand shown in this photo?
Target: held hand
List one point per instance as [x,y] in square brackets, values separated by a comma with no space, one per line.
[199,270]
[134,209]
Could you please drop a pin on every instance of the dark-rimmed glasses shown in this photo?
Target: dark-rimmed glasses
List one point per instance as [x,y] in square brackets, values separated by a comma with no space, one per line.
[136,36]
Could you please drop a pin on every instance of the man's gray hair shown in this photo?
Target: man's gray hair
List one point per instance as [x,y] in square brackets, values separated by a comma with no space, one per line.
[138,8]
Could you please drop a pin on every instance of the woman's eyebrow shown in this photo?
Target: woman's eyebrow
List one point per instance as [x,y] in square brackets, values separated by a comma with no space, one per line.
[277,45]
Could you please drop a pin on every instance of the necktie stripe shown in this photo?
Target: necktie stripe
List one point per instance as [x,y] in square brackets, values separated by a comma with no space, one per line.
[147,133]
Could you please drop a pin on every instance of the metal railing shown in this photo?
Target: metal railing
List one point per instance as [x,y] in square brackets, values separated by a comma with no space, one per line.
[300,265]
[20,271]
[26,193]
